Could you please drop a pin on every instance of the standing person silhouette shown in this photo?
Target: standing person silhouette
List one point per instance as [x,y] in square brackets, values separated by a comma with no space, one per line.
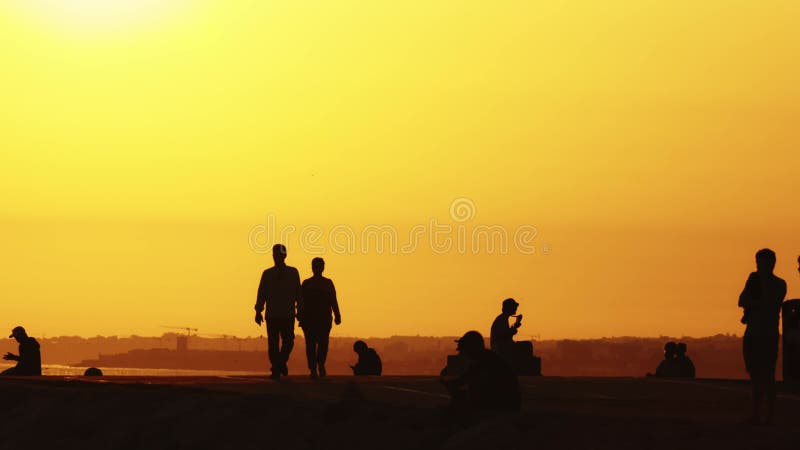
[319,302]
[279,290]
[762,298]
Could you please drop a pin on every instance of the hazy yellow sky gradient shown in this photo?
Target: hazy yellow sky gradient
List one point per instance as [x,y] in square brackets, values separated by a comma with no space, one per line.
[653,144]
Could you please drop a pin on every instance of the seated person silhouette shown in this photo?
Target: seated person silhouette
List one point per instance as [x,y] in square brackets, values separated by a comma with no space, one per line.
[684,364]
[501,339]
[369,363]
[668,368]
[488,384]
[29,361]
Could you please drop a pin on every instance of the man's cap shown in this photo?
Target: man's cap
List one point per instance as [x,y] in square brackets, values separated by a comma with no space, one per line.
[471,337]
[16,331]
[510,302]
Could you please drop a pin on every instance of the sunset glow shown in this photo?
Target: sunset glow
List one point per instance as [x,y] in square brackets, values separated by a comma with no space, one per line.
[653,147]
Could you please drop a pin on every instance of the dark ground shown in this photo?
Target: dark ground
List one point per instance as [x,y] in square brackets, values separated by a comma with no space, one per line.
[380,413]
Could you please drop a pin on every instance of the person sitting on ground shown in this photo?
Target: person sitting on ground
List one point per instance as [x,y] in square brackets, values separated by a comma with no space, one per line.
[684,363]
[369,363]
[29,361]
[489,384]
[501,339]
[668,368]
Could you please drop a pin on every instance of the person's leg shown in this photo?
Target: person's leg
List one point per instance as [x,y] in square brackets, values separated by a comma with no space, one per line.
[759,388]
[311,349]
[10,371]
[273,344]
[770,395]
[322,352]
[287,343]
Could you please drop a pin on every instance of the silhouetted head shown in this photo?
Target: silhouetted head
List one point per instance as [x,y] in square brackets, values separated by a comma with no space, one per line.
[19,334]
[765,260]
[670,349]
[681,350]
[510,306]
[360,347]
[93,372]
[279,254]
[471,344]
[317,266]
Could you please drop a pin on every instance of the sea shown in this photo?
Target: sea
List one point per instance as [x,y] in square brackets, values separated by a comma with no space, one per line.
[59,370]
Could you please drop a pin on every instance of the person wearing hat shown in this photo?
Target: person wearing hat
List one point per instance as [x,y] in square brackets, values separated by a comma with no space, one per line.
[501,339]
[489,384]
[279,296]
[29,361]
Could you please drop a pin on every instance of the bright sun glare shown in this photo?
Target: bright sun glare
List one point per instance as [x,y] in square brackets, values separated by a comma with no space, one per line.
[89,15]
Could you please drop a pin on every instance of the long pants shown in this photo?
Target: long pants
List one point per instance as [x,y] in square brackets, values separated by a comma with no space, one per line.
[280,341]
[317,345]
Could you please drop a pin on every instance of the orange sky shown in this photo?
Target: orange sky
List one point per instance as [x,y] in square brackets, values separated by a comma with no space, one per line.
[653,146]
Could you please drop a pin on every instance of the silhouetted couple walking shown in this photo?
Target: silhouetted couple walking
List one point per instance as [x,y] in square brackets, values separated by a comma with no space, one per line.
[313,303]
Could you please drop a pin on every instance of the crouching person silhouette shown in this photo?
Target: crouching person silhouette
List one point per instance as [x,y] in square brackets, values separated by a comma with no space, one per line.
[29,360]
[369,363]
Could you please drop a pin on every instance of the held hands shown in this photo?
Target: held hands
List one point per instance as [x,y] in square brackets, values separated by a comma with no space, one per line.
[259,319]
[518,322]
[10,357]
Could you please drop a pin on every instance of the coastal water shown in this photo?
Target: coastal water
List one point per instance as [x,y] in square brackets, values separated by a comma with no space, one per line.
[59,370]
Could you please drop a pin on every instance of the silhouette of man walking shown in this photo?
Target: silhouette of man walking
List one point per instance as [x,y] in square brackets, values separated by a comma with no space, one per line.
[29,360]
[761,299]
[279,290]
[319,302]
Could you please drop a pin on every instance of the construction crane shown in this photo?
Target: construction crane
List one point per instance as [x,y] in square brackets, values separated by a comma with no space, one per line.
[189,330]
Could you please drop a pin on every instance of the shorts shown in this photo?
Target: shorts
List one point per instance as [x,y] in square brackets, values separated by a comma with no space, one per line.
[760,352]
